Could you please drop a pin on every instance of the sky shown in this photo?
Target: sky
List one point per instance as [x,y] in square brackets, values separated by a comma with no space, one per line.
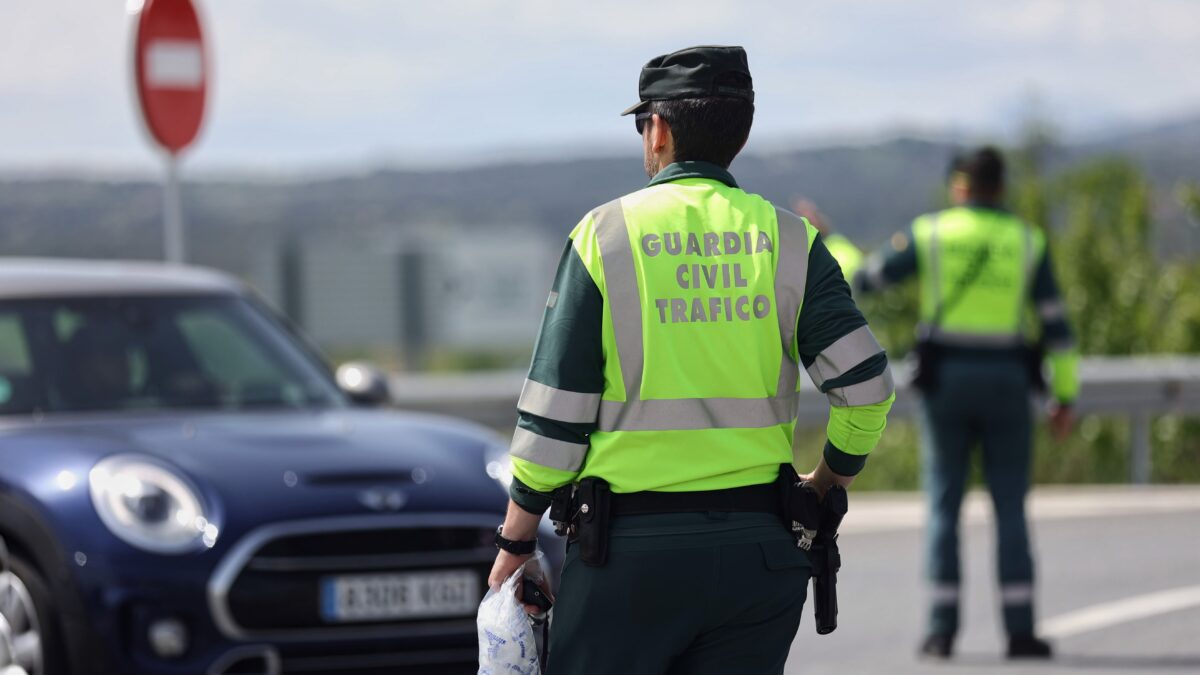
[337,85]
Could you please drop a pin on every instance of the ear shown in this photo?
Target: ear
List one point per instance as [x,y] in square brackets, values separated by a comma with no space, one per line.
[660,133]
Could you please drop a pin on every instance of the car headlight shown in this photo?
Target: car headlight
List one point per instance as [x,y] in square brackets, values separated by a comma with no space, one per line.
[149,506]
[499,465]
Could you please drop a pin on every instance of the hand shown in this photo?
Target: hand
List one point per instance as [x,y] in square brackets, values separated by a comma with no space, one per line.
[1062,421]
[505,566]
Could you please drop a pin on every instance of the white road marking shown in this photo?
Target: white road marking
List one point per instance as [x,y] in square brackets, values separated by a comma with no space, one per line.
[1108,614]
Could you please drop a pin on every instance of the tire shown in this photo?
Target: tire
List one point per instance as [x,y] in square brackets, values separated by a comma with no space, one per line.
[23,584]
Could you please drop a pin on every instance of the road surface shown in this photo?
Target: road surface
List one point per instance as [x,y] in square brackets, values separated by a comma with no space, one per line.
[1118,586]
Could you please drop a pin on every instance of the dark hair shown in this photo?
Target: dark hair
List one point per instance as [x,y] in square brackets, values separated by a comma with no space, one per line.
[985,172]
[711,129]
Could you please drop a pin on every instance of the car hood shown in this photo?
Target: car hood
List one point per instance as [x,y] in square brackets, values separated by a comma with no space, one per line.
[287,464]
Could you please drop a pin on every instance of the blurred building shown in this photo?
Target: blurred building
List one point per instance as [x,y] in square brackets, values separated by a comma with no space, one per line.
[404,298]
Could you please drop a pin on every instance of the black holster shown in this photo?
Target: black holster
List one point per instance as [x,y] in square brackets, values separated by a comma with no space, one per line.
[594,506]
[927,356]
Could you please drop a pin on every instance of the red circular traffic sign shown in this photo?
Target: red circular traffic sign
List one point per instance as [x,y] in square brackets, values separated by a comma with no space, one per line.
[172,71]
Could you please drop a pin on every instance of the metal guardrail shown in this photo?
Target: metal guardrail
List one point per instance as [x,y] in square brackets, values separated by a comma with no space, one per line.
[1136,387]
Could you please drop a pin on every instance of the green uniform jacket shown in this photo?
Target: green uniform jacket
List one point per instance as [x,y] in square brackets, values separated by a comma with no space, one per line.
[585,412]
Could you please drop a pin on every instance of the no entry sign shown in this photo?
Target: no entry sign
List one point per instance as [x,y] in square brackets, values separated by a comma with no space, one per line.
[172,72]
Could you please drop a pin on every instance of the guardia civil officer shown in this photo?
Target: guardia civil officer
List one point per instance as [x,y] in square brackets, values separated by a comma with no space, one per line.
[981,269]
[848,256]
[664,384]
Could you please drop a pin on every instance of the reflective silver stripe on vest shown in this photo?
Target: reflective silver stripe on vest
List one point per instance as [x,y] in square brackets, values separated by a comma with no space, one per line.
[791,276]
[558,404]
[547,452]
[988,340]
[616,255]
[624,300]
[848,351]
[690,414]
[872,391]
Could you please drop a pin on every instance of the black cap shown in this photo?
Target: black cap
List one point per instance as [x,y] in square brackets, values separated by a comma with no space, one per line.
[692,73]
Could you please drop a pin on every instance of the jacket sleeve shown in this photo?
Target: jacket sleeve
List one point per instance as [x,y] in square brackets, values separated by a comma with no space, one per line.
[845,362]
[1062,354]
[888,266]
[561,397]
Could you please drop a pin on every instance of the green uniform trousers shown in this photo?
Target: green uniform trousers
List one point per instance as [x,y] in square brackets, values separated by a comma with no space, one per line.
[682,594]
[982,400]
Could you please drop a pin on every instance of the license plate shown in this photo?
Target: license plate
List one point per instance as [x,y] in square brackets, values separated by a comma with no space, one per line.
[378,597]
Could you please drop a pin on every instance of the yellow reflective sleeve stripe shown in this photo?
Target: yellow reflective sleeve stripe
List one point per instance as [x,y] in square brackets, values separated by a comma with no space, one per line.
[558,404]
[856,430]
[540,478]
[848,351]
[1064,374]
[686,414]
[875,390]
[547,452]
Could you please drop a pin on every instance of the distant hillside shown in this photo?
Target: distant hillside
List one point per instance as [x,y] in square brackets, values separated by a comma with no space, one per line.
[868,191]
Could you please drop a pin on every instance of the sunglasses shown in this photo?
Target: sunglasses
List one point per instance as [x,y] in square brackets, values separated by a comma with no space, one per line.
[639,121]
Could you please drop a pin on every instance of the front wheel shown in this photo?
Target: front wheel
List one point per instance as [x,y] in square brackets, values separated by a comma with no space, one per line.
[29,639]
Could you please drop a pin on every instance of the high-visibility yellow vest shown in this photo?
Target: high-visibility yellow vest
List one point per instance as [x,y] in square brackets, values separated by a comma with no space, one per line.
[991,301]
[702,285]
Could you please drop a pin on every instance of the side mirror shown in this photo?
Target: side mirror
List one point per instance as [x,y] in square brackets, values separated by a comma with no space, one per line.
[363,383]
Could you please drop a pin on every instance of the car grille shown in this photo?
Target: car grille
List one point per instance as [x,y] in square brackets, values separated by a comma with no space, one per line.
[269,585]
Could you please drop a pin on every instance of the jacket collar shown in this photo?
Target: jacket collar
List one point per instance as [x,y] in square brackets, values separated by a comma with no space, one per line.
[681,170]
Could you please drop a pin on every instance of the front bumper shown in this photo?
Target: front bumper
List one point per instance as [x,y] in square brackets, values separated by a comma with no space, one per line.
[257,610]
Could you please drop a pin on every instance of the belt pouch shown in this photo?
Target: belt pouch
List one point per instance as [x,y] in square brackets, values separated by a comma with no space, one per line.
[595,502]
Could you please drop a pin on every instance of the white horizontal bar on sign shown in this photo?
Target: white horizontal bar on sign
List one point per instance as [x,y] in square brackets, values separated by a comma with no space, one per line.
[174,64]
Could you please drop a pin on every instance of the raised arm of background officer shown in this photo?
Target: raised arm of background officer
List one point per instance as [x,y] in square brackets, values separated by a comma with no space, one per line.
[889,266]
[1062,355]
[847,364]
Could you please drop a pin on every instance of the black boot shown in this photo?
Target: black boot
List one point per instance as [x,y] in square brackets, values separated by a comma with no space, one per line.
[937,646]
[1028,647]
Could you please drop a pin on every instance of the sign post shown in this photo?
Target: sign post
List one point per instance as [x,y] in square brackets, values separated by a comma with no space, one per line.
[171,72]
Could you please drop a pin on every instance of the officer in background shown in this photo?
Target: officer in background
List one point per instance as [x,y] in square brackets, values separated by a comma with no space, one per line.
[667,366]
[980,269]
[848,256]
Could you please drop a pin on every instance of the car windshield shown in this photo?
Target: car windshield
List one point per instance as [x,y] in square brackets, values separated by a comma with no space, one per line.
[217,352]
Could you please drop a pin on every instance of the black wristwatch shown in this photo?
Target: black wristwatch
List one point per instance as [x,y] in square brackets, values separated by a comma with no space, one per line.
[514,547]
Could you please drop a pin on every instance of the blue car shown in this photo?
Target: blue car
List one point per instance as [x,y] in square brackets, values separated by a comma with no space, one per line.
[185,488]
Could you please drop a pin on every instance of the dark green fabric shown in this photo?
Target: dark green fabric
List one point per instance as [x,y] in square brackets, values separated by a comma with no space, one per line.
[569,353]
[527,498]
[843,463]
[828,314]
[692,169]
[984,403]
[1055,332]
[688,593]
[692,73]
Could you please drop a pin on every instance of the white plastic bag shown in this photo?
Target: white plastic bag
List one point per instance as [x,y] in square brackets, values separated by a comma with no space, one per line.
[508,643]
